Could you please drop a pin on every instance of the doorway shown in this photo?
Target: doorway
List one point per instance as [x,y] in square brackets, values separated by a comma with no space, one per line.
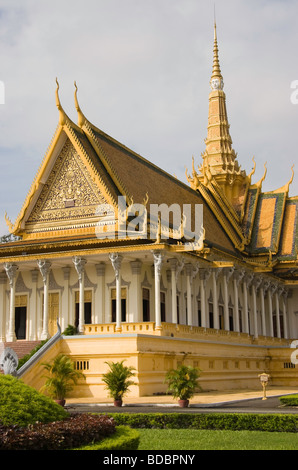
[20,316]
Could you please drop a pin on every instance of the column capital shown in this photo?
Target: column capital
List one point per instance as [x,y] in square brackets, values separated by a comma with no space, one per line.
[238,275]
[248,278]
[265,284]
[158,260]
[116,261]
[217,272]
[256,282]
[44,267]
[273,287]
[11,271]
[180,266]
[280,290]
[285,292]
[79,264]
[227,272]
[204,274]
[173,262]
[188,269]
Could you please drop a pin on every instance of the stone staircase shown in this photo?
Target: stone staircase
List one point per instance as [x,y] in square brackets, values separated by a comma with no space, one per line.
[21,347]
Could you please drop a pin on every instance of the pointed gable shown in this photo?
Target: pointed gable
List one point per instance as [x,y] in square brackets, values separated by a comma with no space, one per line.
[69,193]
[67,189]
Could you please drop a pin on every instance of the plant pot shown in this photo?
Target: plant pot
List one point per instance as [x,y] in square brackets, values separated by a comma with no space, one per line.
[118,403]
[60,402]
[183,403]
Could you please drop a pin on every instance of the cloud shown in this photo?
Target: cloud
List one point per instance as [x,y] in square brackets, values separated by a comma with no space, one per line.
[143,70]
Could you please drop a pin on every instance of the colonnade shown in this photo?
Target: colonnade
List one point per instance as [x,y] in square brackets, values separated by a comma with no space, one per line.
[269,292]
[260,295]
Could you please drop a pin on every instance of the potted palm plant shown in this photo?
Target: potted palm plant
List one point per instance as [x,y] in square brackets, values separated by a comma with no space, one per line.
[117,380]
[61,378]
[182,383]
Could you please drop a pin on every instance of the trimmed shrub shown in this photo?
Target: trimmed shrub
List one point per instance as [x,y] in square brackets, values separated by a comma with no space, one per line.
[124,438]
[289,400]
[26,358]
[71,432]
[22,405]
[220,421]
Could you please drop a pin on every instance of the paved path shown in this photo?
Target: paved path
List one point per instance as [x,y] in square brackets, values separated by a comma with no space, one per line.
[271,405]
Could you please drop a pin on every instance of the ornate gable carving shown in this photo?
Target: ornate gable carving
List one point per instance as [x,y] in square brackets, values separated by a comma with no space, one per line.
[69,193]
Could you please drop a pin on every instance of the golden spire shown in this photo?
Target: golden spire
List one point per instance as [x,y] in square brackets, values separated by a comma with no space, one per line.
[216,81]
[219,156]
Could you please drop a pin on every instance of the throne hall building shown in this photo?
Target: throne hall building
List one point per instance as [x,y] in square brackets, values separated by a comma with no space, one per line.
[140,289]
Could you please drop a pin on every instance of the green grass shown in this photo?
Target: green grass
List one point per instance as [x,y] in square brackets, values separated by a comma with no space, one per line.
[190,439]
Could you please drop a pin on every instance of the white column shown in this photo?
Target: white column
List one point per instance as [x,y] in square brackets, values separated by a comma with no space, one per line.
[66,320]
[189,270]
[3,283]
[237,278]
[11,271]
[270,294]
[263,288]
[33,307]
[215,274]
[44,267]
[255,286]
[277,294]
[204,275]
[100,294]
[116,261]
[173,266]
[79,264]
[158,259]
[246,283]
[284,312]
[136,292]
[227,272]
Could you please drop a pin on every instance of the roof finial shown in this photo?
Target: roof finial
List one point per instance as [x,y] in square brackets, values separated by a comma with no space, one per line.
[292,177]
[216,81]
[81,117]
[62,116]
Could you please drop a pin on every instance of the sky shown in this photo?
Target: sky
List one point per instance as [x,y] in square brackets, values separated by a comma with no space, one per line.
[142,68]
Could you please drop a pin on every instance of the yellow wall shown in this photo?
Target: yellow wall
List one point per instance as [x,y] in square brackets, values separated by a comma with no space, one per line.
[224,365]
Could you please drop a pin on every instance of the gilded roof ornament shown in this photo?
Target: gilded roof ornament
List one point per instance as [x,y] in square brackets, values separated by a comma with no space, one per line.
[81,117]
[292,177]
[194,180]
[216,81]
[253,170]
[8,222]
[62,115]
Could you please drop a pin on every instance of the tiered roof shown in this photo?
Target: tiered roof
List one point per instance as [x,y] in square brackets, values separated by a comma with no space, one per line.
[84,168]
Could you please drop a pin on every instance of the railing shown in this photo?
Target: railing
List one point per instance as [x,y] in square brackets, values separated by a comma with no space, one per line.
[183,331]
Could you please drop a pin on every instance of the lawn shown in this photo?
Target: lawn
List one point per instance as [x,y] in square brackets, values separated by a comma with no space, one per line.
[189,439]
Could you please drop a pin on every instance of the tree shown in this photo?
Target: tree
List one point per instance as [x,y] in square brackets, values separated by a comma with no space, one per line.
[62,377]
[182,382]
[117,380]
